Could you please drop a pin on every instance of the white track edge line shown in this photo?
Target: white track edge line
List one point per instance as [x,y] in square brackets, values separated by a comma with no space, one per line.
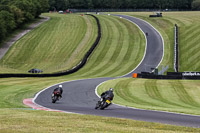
[114,79]
[143,109]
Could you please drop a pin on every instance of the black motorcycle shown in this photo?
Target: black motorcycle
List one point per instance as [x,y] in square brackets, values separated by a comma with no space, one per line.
[55,96]
[103,103]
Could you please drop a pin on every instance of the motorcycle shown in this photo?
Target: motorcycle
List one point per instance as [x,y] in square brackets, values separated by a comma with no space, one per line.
[103,103]
[55,96]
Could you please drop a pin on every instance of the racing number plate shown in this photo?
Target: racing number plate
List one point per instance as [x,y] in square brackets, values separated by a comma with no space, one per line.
[108,101]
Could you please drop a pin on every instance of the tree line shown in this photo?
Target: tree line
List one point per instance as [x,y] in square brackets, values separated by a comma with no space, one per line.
[122,4]
[14,13]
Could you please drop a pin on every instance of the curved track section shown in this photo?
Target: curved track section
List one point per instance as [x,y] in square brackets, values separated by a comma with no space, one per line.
[79,96]
[154,49]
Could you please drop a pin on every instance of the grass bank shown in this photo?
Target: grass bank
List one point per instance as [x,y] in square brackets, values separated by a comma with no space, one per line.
[113,57]
[55,45]
[182,96]
[120,49]
[62,42]
[16,117]
[189,43]
[114,52]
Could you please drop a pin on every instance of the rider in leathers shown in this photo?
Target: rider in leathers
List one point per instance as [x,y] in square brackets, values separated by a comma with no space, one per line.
[108,93]
[59,89]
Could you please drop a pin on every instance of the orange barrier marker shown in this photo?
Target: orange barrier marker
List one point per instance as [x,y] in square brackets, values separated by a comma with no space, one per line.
[134,75]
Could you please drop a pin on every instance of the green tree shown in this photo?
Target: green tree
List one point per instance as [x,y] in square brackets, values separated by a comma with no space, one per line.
[3,31]
[133,3]
[126,4]
[52,4]
[196,5]
[44,5]
[89,4]
[8,22]
[62,4]
[96,3]
[18,15]
[26,8]
[13,13]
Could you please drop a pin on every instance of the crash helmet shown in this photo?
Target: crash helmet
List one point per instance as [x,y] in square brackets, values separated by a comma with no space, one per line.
[111,89]
[60,86]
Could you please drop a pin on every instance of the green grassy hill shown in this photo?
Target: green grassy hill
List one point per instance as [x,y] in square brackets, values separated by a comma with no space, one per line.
[117,54]
[114,52]
[189,32]
[168,95]
[120,49]
[181,96]
[55,45]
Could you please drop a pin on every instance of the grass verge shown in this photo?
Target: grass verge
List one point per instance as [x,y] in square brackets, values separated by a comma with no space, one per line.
[107,60]
[19,120]
[182,96]
[188,37]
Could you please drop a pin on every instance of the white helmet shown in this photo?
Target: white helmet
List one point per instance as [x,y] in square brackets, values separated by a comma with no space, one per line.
[60,86]
[111,89]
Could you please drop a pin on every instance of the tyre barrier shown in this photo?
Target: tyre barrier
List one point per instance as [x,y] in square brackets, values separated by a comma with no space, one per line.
[171,75]
[176,51]
[67,72]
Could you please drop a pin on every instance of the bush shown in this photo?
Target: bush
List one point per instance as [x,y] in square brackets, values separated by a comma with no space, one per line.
[13,13]
[196,5]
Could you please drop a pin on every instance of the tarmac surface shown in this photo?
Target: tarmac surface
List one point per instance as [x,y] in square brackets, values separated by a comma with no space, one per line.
[80,96]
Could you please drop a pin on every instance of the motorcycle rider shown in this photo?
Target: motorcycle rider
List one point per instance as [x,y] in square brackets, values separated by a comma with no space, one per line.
[58,89]
[108,93]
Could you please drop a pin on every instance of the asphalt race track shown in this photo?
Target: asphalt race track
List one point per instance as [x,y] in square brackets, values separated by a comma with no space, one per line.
[79,96]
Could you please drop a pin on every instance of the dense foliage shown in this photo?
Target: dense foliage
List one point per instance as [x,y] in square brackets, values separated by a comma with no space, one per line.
[14,13]
[122,4]
[196,5]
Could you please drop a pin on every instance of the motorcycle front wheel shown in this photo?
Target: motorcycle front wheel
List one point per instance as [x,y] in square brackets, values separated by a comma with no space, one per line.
[54,99]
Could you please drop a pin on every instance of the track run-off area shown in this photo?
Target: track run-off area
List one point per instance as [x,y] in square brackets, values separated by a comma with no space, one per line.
[80,96]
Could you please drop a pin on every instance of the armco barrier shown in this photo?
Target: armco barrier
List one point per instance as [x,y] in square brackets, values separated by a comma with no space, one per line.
[79,66]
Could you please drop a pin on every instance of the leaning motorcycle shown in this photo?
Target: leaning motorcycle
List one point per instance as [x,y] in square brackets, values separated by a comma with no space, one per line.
[103,103]
[55,96]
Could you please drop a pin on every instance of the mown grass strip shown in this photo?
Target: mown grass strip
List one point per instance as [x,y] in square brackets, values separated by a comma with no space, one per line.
[183,95]
[15,118]
[95,58]
[19,120]
[166,95]
[119,39]
[48,44]
[155,92]
[34,121]
[188,23]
